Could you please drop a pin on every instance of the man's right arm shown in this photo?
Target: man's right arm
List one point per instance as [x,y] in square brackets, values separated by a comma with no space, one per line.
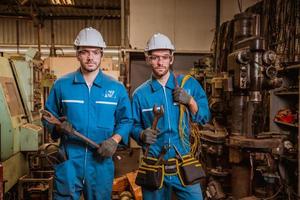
[139,133]
[137,120]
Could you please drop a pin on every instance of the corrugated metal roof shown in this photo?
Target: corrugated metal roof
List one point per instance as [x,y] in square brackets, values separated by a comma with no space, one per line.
[46,9]
[68,20]
[65,31]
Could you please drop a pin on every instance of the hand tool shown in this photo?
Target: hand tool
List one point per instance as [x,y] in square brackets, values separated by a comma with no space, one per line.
[49,117]
[162,154]
[158,113]
[178,155]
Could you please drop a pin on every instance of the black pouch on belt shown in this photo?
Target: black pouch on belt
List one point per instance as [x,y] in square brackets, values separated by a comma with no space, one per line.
[150,174]
[190,170]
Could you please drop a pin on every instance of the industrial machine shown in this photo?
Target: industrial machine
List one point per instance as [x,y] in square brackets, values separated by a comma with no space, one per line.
[244,159]
[20,102]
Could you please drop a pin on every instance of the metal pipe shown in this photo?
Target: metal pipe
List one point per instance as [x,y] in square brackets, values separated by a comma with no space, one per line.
[18,35]
[15,17]
[52,48]
[240,186]
[257,25]
[218,6]
[39,36]
[122,23]
[298,139]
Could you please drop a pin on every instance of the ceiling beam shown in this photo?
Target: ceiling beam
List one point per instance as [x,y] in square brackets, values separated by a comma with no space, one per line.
[60,12]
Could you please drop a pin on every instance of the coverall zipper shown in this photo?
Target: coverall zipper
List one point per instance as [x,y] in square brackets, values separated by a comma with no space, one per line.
[169,122]
[168,114]
[86,147]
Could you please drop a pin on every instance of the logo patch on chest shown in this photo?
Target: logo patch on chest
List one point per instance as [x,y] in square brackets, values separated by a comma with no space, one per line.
[109,94]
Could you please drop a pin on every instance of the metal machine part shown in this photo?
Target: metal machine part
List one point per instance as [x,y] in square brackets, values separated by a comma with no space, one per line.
[252,68]
[19,104]
[36,185]
[214,190]
[28,74]
[248,155]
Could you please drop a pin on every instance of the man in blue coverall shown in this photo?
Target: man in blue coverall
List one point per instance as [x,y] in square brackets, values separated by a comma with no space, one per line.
[98,107]
[163,89]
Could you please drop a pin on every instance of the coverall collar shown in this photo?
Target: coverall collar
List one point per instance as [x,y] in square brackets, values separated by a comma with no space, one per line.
[170,83]
[78,78]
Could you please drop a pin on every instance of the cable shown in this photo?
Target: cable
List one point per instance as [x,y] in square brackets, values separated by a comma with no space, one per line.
[274,195]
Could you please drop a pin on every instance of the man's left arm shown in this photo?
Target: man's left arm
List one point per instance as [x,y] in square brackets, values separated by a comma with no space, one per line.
[198,104]
[123,118]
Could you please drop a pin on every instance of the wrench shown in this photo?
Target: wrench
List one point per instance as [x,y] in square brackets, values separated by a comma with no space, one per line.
[53,120]
[158,113]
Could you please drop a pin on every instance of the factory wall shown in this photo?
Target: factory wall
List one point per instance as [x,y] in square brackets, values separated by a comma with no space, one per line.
[190,24]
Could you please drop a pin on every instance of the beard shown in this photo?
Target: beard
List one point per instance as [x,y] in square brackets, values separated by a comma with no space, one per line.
[158,73]
[90,66]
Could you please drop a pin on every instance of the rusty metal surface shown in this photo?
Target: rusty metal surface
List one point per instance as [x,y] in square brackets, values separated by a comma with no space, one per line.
[37,185]
[240,141]
[240,181]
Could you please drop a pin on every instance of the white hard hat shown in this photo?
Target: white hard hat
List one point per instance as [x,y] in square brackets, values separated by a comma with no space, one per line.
[159,41]
[89,37]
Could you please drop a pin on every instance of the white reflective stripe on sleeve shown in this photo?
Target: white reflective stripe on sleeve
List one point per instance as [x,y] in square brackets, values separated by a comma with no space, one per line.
[147,109]
[72,101]
[107,102]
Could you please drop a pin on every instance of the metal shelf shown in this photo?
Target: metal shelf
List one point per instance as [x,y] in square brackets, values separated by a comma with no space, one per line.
[286,93]
[297,66]
[287,124]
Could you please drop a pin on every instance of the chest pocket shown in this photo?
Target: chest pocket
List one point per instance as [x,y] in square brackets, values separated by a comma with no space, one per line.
[106,113]
[72,107]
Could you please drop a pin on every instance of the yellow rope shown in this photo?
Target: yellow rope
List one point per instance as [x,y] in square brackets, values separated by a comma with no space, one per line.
[182,125]
[194,129]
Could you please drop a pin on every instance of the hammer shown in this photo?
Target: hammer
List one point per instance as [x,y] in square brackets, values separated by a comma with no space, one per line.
[158,113]
[53,120]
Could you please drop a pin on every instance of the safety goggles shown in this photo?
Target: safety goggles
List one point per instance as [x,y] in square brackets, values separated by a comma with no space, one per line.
[162,58]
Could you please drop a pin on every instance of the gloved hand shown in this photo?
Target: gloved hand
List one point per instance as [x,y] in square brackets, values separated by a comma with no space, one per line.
[107,148]
[148,136]
[181,96]
[64,127]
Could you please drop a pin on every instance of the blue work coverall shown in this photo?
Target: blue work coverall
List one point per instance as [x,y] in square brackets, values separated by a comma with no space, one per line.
[153,93]
[97,113]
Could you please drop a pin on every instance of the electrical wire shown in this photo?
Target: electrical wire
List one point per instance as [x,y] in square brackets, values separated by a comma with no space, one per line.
[274,195]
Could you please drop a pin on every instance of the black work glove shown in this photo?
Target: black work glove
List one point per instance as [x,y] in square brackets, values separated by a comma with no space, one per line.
[181,96]
[107,148]
[149,136]
[64,128]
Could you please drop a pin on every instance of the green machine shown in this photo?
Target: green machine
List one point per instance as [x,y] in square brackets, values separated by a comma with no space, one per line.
[20,126]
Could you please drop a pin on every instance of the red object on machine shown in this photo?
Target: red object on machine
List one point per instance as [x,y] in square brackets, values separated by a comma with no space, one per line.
[285,115]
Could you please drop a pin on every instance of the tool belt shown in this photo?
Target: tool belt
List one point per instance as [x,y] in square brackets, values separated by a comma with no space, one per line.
[190,170]
[151,174]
